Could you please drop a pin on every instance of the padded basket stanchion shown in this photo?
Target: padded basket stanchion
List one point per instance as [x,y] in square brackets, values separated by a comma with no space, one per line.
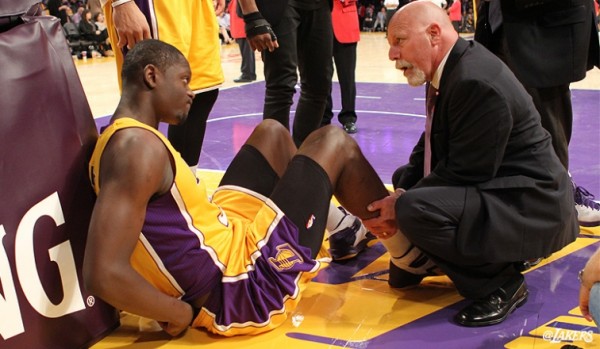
[47,133]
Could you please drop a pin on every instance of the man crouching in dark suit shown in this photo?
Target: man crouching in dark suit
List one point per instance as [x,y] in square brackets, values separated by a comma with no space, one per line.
[483,189]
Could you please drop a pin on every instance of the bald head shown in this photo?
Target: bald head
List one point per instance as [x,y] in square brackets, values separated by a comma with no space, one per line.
[420,35]
[423,13]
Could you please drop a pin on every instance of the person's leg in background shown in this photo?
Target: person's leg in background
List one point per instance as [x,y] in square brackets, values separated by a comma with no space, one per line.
[315,41]
[280,69]
[328,113]
[204,55]
[203,52]
[556,111]
[248,67]
[345,64]
[554,105]
[188,137]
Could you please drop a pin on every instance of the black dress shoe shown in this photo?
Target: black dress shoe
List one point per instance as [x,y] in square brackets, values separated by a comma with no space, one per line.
[402,279]
[243,79]
[496,307]
[350,127]
[528,264]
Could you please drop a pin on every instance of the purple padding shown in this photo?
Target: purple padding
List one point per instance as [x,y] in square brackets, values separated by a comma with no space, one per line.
[47,133]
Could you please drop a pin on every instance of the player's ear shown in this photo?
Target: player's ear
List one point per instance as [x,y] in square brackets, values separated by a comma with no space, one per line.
[150,76]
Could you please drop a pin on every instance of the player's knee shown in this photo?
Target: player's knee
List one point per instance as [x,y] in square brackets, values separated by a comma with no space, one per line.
[272,134]
[336,138]
[272,128]
[346,145]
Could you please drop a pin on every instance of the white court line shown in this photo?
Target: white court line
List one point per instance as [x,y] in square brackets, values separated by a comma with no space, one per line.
[293,112]
[334,110]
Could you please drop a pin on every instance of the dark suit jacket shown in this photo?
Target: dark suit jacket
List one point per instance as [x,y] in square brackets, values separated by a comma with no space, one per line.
[551,42]
[487,137]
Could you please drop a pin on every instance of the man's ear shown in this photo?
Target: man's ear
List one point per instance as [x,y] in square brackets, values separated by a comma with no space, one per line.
[150,76]
[435,33]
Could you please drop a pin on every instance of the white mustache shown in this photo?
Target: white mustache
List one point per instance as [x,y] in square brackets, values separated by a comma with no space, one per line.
[402,64]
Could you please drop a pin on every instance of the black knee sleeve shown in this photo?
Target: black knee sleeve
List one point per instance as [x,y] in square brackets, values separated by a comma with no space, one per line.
[250,169]
[304,195]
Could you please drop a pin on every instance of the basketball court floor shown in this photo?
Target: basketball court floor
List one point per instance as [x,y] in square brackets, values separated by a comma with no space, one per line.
[349,304]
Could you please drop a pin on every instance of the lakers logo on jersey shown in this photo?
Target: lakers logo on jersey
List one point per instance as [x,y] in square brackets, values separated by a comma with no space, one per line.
[286,258]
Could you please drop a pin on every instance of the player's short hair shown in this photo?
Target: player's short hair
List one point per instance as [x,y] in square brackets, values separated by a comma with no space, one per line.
[149,51]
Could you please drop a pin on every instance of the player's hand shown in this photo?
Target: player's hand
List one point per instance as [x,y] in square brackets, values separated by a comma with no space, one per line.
[178,326]
[131,25]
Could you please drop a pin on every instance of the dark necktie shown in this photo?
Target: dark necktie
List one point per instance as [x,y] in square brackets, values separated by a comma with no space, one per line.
[431,97]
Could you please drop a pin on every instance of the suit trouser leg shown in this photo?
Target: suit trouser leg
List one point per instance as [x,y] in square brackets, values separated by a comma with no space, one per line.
[429,217]
[248,67]
[280,69]
[345,64]
[328,113]
[556,111]
[315,41]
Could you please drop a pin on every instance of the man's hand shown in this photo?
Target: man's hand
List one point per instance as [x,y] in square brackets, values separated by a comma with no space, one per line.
[384,225]
[259,33]
[263,42]
[220,6]
[131,25]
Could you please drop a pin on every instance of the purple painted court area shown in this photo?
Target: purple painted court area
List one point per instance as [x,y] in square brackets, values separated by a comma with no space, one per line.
[390,120]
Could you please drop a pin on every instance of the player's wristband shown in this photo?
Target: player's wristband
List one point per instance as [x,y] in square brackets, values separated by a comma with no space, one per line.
[255,25]
[116,3]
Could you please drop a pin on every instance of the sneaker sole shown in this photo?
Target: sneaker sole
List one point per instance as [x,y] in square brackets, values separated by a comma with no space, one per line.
[343,258]
[589,224]
[355,251]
